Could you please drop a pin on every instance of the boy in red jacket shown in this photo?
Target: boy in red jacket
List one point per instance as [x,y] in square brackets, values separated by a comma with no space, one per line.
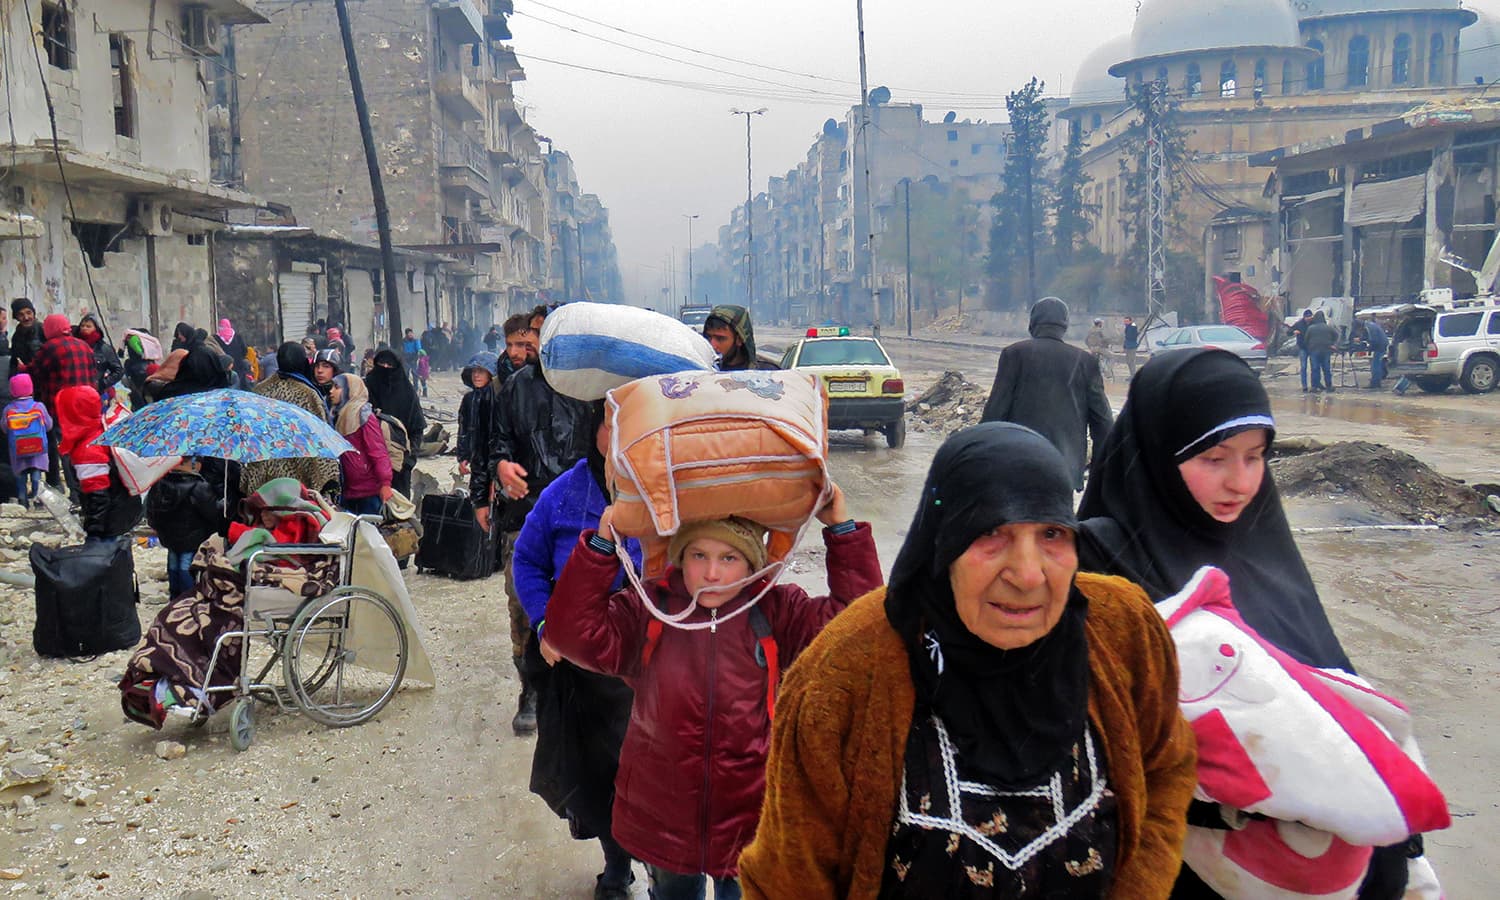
[692,766]
[108,509]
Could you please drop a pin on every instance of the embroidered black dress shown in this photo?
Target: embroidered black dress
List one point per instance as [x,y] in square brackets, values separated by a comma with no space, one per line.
[954,838]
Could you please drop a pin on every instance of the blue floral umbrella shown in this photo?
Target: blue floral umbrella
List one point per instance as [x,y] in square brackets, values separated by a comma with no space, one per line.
[226,424]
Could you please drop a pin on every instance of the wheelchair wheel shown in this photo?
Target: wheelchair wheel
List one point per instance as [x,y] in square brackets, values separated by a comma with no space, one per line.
[242,723]
[321,659]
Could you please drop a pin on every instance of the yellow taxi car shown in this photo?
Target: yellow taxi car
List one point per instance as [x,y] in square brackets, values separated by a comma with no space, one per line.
[865,390]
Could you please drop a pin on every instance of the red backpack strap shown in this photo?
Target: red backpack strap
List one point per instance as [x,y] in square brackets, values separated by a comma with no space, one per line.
[767,656]
[653,637]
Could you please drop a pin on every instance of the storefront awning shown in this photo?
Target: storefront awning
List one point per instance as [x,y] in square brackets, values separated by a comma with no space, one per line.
[1387,202]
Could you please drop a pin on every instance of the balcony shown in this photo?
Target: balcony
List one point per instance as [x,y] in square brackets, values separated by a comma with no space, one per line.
[457,92]
[463,166]
[461,18]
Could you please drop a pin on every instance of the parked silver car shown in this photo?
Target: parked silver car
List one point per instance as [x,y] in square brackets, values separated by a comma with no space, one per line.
[1224,337]
[1465,347]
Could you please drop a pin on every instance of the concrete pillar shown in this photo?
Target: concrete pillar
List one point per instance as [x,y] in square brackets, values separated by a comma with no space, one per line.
[1435,239]
[1349,172]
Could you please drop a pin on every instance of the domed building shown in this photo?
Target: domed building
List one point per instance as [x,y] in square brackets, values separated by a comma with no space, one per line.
[1249,76]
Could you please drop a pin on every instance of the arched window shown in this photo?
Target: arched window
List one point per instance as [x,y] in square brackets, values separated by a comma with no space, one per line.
[1401,59]
[1161,74]
[1227,79]
[1315,68]
[1194,81]
[1436,71]
[1260,78]
[1359,61]
[1096,121]
[1286,78]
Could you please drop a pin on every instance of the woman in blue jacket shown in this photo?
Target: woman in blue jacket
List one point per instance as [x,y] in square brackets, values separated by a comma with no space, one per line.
[581,715]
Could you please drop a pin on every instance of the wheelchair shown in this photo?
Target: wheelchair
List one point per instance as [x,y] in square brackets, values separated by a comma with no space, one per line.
[340,656]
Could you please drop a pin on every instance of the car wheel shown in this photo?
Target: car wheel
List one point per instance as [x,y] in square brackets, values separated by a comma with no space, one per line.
[1479,375]
[895,433]
[1433,384]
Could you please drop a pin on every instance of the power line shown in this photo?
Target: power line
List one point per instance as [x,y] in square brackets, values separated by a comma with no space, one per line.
[702,87]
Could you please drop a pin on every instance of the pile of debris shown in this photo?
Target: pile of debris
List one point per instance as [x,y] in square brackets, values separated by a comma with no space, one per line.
[952,403]
[955,324]
[1392,482]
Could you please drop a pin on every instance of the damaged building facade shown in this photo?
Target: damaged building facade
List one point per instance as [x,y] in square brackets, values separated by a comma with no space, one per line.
[465,176]
[1245,77]
[812,255]
[115,211]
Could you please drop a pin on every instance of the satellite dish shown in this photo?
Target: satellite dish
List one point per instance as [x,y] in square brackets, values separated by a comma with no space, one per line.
[948,119]
[880,95]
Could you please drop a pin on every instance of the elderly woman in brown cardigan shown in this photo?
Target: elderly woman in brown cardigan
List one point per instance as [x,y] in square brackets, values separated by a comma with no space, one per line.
[993,724]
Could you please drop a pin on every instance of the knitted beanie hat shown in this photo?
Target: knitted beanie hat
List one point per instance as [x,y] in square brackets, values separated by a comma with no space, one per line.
[20,385]
[55,325]
[743,535]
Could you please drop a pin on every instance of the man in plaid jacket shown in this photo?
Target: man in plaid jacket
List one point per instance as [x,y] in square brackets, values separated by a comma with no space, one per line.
[64,361]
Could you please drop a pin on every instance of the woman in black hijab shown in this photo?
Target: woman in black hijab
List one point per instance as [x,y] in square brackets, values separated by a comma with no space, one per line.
[988,725]
[191,367]
[1141,520]
[1187,410]
[391,393]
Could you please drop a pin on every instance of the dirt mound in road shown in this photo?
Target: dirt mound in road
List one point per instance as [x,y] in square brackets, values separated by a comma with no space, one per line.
[952,403]
[1391,481]
[955,324]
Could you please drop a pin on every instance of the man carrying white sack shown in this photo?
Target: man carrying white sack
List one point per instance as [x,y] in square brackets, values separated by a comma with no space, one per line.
[536,434]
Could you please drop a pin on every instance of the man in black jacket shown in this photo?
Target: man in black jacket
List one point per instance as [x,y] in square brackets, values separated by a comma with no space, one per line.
[28,337]
[536,434]
[1320,339]
[1052,388]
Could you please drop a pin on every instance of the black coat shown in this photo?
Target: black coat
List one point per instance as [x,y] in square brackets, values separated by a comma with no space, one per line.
[24,344]
[1052,388]
[1321,337]
[184,509]
[535,426]
[391,393]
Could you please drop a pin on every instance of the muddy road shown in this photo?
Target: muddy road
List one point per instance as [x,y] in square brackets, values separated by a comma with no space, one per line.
[431,800]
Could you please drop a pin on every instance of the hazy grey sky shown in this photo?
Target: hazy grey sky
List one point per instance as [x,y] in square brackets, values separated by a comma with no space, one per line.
[655,152]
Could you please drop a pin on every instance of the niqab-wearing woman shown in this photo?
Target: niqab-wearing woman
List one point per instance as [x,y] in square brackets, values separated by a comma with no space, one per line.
[292,383]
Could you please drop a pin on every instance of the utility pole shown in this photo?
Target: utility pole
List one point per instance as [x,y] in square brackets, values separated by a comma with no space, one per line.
[908,256]
[1156,204]
[377,187]
[749,208]
[583,289]
[864,130]
[691,296]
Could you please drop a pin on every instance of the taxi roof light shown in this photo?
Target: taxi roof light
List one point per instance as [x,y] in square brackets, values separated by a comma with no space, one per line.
[829,331]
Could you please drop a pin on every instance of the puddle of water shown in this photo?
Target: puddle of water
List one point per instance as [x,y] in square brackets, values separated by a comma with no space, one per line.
[1332,512]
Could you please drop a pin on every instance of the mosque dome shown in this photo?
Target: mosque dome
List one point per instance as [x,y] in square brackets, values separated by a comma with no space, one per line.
[1479,46]
[1326,9]
[1169,27]
[1093,85]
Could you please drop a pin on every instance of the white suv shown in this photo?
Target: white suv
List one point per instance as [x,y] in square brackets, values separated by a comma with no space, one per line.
[1465,346]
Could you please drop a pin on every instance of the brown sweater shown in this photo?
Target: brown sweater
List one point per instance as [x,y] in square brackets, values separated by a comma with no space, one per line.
[838,751]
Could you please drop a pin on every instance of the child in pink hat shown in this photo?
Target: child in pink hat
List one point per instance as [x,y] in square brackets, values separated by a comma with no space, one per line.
[27,425]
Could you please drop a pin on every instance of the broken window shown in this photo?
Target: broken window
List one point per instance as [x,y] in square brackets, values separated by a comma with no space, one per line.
[1359,61]
[1401,59]
[1227,79]
[57,33]
[1435,61]
[1194,81]
[121,53]
[98,238]
[1259,85]
[1315,68]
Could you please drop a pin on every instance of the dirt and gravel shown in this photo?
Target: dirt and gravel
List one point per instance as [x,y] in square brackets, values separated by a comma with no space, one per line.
[1388,481]
[430,799]
[951,403]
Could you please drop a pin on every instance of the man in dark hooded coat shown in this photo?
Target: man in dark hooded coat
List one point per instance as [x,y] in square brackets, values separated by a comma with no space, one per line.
[729,330]
[1052,387]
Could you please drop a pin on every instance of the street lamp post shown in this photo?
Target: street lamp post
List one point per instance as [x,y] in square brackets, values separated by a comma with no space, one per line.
[690,217]
[907,182]
[749,208]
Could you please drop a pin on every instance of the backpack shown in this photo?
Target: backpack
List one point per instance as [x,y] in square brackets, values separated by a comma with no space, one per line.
[767,654]
[397,441]
[27,430]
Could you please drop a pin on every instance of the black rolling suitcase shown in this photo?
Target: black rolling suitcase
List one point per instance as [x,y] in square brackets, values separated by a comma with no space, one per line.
[86,599]
[452,543]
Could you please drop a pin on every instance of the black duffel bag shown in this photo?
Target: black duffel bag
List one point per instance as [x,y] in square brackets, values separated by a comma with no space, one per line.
[85,599]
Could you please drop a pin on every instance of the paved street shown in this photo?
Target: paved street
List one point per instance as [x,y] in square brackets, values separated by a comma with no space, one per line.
[431,799]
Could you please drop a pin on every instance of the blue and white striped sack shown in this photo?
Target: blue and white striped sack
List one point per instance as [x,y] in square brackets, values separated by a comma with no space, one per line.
[589,349]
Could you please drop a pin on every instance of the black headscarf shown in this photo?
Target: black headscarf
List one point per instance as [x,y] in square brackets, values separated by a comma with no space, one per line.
[1143,523]
[1013,714]
[291,360]
[183,336]
[391,392]
[596,459]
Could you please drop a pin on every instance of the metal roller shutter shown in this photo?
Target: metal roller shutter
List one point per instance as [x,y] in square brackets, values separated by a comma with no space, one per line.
[296,292]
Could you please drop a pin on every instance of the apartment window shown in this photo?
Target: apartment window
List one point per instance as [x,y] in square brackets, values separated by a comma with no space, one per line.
[952,135]
[1435,61]
[1227,79]
[1161,74]
[1095,120]
[1194,81]
[953,163]
[123,76]
[57,33]
[1401,59]
[1315,68]
[1359,61]
[974,149]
